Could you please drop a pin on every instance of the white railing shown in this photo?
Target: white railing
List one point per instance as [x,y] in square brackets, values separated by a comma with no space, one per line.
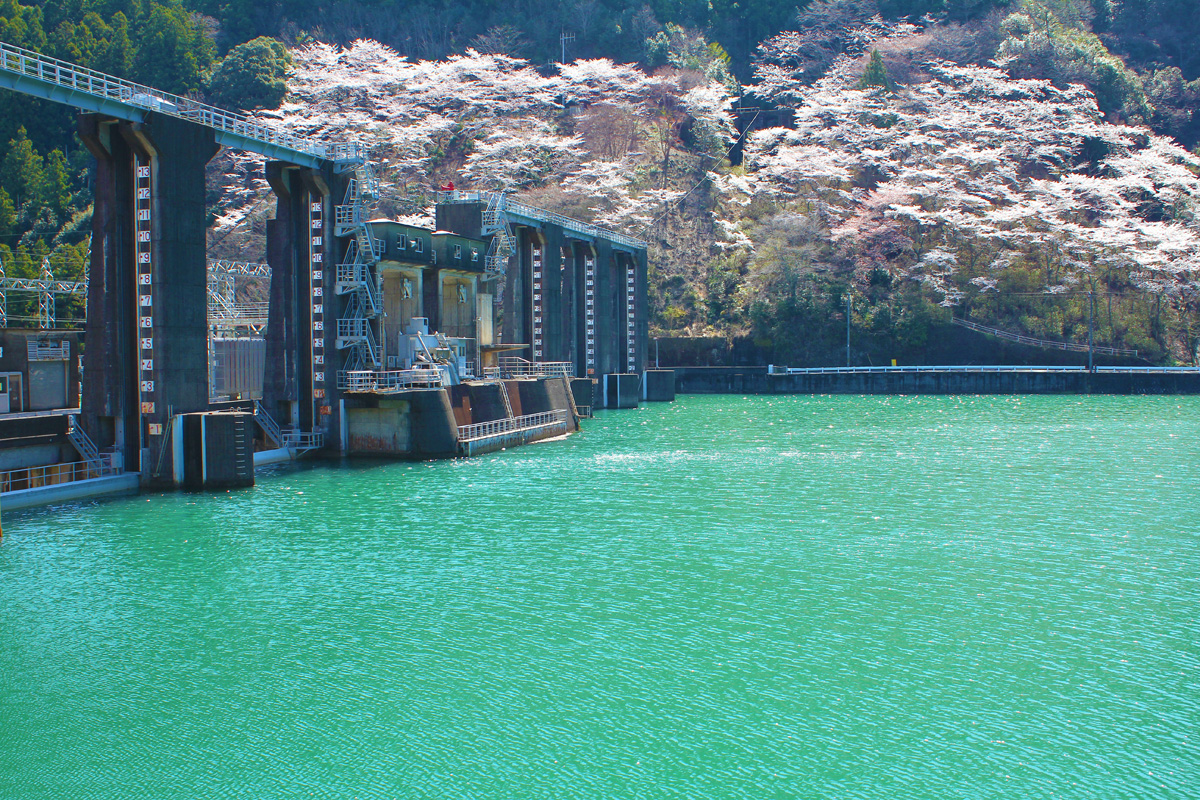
[351,276]
[1073,347]
[347,216]
[483,430]
[29,64]
[302,440]
[15,480]
[514,367]
[515,208]
[354,328]
[386,381]
[1139,370]
[966,369]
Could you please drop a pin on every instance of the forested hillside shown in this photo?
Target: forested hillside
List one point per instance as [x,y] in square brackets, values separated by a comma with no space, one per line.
[999,160]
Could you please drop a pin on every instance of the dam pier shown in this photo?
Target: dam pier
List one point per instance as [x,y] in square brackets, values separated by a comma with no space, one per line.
[504,324]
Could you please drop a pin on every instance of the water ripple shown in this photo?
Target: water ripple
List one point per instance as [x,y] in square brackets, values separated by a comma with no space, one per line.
[866,597]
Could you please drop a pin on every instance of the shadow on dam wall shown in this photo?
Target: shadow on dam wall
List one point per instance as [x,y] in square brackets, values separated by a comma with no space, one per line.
[964,380]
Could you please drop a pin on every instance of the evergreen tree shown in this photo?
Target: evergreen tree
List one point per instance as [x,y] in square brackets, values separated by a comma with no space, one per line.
[56,185]
[117,58]
[20,265]
[22,25]
[21,170]
[173,53]
[252,75]
[8,214]
[875,74]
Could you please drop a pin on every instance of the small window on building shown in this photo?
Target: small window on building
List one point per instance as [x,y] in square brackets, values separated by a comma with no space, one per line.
[417,245]
[474,254]
[458,251]
[401,242]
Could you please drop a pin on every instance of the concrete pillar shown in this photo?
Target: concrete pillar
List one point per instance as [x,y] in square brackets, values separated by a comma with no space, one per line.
[515,323]
[541,320]
[553,338]
[610,286]
[658,385]
[642,326]
[299,384]
[620,390]
[149,226]
[586,323]
[568,305]
[323,308]
[280,387]
[627,274]
[109,406]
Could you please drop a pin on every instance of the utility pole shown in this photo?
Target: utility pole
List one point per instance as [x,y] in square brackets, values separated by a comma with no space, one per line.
[563,38]
[848,329]
[1091,327]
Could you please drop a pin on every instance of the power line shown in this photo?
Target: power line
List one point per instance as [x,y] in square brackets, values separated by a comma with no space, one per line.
[699,183]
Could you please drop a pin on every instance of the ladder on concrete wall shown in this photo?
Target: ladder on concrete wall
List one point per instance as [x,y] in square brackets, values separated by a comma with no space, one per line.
[243,458]
[507,402]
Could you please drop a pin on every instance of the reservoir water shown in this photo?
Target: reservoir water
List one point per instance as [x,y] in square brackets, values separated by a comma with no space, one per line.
[726,597]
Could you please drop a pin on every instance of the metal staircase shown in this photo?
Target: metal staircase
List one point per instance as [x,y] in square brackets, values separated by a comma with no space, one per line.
[507,402]
[357,276]
[268,424]
[86,447]
[504,243]
[289,438]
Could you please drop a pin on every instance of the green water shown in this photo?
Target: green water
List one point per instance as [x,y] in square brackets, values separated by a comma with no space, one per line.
[831,597]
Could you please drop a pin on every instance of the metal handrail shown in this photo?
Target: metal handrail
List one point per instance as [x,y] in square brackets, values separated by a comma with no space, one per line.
[80,80]
[968,369]
[352,328]
[15,480]
[267,423]
[1148,369]
[517,367]
[533,212]
[482,430]
[293,439]
[1073,347]
[372,381]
